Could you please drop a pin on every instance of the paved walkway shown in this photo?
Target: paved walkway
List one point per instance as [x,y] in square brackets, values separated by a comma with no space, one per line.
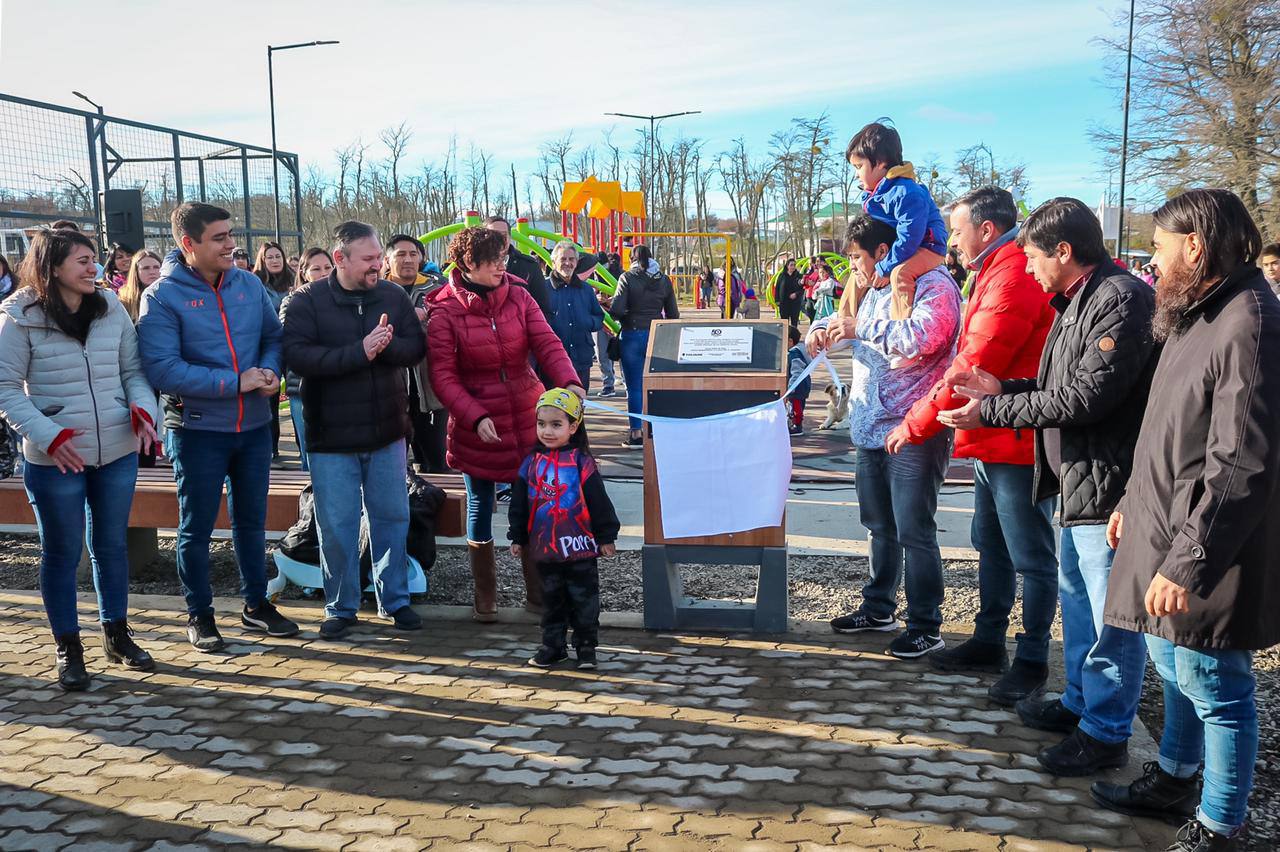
[446,740]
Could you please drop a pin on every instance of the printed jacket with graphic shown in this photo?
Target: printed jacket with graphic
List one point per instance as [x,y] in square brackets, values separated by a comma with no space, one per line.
[196,340]
[560,511]
[906,205]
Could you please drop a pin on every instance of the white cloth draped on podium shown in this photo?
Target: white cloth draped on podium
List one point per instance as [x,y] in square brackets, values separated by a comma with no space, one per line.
[723,474]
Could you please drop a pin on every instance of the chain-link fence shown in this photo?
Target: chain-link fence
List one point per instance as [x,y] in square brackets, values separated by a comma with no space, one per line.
[56,160]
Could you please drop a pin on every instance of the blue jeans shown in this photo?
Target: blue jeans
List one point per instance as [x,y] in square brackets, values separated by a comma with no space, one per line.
[299,428]
[347,486]
[1013,536]
[634,345]
[897,500]
[481,497]
[1209,716]
[202,461]
[606,364]
[1104,664]
[64,503]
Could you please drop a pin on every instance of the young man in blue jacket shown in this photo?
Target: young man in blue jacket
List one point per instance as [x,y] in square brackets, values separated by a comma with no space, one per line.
[210,342]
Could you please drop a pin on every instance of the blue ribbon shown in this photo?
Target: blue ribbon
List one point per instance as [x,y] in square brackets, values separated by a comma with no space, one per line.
[821,360]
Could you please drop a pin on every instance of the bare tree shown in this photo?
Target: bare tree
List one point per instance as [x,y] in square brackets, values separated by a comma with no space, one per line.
[1205,102]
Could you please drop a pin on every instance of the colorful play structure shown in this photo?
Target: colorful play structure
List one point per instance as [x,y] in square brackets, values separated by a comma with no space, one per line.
[839,268]
[616,222]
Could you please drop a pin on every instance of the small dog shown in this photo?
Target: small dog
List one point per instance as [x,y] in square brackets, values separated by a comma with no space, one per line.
[837,406]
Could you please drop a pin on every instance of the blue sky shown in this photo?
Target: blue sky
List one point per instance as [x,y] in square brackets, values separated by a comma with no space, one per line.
[1023,77]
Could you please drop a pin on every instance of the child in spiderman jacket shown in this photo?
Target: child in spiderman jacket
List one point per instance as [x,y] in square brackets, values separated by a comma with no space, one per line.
[562,516]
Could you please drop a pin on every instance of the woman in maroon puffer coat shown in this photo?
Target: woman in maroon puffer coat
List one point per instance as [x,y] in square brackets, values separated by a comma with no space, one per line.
[481,332]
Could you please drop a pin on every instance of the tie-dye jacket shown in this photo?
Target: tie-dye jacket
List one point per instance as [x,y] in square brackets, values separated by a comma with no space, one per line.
[895,362]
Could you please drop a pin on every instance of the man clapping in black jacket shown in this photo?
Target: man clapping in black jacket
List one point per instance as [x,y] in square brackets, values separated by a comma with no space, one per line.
[351,337]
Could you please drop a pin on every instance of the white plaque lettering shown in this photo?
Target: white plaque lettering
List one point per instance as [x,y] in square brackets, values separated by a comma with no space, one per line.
[722,344]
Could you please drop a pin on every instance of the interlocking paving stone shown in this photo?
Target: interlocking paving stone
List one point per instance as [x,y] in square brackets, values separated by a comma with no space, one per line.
[446,739]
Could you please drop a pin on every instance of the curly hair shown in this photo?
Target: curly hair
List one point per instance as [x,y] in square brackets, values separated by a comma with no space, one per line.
[472,247]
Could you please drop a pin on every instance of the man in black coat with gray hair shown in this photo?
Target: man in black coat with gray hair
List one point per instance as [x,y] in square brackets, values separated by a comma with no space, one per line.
[1198,530]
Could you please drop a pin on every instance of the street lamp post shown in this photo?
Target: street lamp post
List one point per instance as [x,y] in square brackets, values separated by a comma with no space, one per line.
[1124,136]
[271,93]
[653,120]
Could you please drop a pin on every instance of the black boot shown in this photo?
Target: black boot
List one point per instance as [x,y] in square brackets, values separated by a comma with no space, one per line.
[119,647]
[1194,837]
[1023,680]
[1043,715]
[71,673]
[1080,754]
[973,655]
[1157,794]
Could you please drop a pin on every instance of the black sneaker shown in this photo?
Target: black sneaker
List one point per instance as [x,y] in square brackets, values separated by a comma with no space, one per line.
[972,655]
[548,657]
[795,430]
[915,643]
[265,618]
[607,393]
[336,626]
[1024,679]
[586,657]
[1195,837]
[406,619]
[1157,795]
[633,443]
[1080,754]
[1045,715]
[203,634]
[857,622]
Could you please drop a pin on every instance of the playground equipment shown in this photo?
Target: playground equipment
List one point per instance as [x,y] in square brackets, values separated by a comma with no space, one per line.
[529,239]
[607,206]
[839,268]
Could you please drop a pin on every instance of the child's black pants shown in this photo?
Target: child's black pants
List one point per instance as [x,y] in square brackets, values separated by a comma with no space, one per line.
[570,598]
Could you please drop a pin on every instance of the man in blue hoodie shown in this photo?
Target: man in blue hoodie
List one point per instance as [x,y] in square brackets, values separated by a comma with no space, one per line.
[210,342]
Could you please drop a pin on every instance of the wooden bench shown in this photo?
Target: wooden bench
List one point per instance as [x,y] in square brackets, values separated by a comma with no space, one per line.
[155,506]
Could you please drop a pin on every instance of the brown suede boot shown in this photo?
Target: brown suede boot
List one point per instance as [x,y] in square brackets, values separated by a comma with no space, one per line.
[484,571]
[532,584]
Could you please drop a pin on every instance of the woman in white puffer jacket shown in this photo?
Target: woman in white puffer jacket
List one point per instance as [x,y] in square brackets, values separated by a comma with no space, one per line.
[71,384]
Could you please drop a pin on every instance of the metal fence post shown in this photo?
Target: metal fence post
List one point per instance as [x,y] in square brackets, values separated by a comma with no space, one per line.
[248,216]
[93,182]
[177,168]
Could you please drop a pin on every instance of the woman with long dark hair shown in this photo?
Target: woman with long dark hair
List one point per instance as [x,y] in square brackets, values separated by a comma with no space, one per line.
[71,383]
[8,281]
[482,328]
[117,267]
[278,278]
[644,294]
[789,293]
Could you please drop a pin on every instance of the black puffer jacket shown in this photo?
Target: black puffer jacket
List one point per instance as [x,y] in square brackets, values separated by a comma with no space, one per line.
[643,297]
[1095,373]
[351,404]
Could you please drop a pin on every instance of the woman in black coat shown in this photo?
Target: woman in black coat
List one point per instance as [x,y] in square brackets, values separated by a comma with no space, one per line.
[789,293]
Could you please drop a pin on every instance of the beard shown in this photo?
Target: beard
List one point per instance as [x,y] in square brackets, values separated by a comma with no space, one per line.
[1176,291]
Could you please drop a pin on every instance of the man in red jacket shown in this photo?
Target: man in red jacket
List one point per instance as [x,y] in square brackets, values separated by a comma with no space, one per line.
[1004,330]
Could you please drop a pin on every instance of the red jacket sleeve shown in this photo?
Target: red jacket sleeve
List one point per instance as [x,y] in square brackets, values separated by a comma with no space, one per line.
[1000,320]
[547,347]
[442,363]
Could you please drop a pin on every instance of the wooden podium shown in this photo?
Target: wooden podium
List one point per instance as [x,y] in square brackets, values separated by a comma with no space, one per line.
[695,368]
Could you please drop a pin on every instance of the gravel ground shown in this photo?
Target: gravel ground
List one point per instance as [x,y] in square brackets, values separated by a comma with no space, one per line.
[821,587]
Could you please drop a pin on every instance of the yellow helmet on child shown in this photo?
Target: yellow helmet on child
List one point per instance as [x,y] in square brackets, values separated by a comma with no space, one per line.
[565,400]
